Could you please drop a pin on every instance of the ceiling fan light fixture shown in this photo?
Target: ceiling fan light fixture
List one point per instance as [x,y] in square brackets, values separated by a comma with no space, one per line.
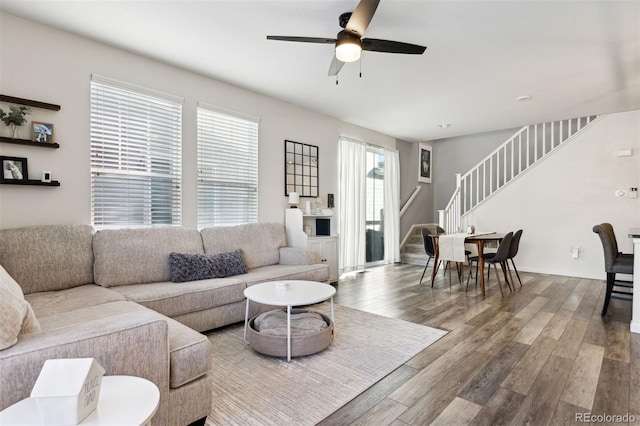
[348,47]
[348,52]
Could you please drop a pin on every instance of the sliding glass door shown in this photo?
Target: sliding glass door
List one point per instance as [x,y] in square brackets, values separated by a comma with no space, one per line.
[369,205]
[374,209]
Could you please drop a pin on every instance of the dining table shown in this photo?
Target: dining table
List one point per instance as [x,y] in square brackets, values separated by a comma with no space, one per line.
[479,239]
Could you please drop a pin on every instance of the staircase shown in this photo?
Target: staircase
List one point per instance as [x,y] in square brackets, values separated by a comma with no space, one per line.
[412,248]
[526,148]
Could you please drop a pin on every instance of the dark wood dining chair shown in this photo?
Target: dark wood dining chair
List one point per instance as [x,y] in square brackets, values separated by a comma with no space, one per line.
[615,262]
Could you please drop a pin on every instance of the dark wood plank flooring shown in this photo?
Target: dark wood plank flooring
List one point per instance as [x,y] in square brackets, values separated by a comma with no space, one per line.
[538,356]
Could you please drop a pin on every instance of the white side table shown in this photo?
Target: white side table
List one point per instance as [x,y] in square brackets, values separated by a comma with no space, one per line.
[298,293]
[124,401]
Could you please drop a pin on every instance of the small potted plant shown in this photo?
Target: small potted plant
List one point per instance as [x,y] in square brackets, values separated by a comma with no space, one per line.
[15,118]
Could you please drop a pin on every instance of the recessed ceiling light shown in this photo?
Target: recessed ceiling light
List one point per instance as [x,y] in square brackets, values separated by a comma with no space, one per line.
[523,98]
[444,125]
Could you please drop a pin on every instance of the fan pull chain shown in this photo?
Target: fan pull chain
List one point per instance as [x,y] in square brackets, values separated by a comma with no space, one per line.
[336,79]
[360,66]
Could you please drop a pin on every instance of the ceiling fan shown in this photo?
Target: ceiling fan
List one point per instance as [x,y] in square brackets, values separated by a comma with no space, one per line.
[349,43]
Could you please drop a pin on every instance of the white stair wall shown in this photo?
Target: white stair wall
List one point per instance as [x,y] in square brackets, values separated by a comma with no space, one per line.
[558,202]
[525,149]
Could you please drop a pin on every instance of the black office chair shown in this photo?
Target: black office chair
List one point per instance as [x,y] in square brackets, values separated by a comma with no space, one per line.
[614,263]
[513,251]
[500,258]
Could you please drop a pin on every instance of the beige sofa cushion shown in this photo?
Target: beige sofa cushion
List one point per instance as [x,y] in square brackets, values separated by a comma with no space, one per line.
[46,258]
[174,299]
[188,349]
[259,242]
[319,272]
[16,315]
[138,256]
[53,302]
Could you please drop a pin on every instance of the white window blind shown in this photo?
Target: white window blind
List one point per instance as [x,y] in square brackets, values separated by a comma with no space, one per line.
[136,156]
[227,167]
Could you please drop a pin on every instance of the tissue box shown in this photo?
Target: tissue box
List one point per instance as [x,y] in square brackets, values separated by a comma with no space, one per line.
[67,390]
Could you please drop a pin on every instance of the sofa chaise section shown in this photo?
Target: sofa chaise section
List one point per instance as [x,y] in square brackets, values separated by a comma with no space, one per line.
[80,319]
[130,344]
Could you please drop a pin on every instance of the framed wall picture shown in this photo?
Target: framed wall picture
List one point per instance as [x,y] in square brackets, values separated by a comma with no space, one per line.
[41,132]
[425,168]
[13,168]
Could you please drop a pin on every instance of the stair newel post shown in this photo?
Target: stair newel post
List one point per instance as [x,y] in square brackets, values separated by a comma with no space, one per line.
[441,219]
[458,209]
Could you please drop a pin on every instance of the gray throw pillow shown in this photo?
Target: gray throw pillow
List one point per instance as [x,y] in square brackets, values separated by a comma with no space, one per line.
[193,267]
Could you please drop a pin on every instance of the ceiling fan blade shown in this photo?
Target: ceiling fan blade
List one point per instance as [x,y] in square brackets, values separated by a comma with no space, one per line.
[388,46]
[304,39]
[361,17]
[335,67]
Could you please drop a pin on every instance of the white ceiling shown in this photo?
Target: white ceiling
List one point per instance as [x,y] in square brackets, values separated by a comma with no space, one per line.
[574,58]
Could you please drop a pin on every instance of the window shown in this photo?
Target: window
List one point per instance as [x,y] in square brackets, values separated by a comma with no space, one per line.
[136,157]
[227,167]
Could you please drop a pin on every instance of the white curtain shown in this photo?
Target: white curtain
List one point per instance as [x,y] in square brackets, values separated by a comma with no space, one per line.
[351,207]
[391,206]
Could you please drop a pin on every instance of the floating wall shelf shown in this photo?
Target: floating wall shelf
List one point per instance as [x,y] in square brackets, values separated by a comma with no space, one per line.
[31,182]
[27,142]
[29,102]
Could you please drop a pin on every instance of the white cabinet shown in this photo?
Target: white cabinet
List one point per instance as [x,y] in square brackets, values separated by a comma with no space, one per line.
[325,246]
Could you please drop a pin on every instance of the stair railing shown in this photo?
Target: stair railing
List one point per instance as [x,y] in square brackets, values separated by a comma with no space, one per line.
[526,148]
[414,194]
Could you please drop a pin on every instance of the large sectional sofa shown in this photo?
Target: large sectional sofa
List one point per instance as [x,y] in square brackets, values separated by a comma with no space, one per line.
[108,295]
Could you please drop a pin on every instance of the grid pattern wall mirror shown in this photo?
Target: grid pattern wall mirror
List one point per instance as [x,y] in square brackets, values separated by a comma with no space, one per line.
[300,169]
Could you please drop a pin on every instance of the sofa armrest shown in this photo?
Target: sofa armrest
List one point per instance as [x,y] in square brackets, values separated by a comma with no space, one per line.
[135,344]
[297,256]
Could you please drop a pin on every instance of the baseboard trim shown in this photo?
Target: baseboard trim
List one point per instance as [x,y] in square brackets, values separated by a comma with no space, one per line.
[562,273]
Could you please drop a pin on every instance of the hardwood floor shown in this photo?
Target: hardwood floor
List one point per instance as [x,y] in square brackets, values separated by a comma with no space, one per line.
[540,355]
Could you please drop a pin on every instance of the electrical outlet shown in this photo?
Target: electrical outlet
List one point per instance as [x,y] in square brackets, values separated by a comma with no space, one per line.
[633,192]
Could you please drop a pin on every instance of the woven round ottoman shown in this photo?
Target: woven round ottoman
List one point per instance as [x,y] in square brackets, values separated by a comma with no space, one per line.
[301,345]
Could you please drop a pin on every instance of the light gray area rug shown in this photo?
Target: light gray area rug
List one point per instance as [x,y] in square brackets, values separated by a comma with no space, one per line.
[253,389]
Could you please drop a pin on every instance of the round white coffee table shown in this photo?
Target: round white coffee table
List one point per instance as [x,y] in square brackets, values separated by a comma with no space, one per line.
[295,293]
[124,401]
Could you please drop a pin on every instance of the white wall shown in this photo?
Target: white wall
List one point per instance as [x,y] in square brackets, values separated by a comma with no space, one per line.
[44,64]
[558,201]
